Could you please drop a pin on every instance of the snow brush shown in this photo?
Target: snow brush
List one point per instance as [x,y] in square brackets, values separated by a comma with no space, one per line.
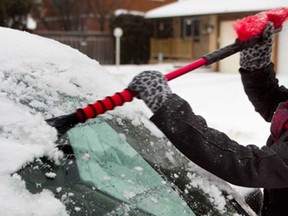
[248,30]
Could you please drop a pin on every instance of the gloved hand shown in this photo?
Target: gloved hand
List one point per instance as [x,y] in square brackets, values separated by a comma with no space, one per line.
[151,87]
[259,55]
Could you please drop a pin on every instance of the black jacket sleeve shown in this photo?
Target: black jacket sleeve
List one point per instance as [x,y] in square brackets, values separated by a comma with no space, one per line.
[263,90]
[214,151]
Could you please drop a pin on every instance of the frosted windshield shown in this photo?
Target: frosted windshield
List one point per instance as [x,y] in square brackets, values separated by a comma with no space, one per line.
[110,164]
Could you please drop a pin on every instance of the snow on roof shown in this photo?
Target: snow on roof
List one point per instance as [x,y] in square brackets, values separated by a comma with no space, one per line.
[119,12]
[201,7]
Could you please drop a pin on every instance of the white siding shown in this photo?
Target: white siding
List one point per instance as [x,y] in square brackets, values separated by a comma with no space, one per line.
[227,37]
[282,62]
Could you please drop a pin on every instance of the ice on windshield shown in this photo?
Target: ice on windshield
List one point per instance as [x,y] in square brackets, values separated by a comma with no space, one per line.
[111,165]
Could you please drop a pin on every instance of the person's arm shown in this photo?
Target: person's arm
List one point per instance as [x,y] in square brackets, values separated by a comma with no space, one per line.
[207,147]
[263,90]
[258,76]
[247,166]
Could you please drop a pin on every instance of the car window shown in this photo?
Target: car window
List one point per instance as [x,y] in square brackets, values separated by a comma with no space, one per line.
[108,162]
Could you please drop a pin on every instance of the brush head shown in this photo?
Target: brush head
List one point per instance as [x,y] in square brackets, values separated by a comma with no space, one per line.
[253,26]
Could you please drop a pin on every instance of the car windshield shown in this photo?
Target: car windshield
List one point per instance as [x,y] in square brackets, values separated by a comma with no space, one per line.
[107,161]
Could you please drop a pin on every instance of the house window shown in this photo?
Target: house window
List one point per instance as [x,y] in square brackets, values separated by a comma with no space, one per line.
[191,28]
[164,28]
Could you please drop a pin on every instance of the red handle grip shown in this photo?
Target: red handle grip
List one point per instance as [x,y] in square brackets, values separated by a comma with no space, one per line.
[101,106]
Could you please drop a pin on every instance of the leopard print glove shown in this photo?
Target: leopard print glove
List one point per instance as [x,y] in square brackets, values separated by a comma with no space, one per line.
[259,55]
[151,87]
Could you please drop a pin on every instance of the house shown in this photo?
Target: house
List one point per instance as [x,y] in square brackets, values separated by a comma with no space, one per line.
[188,29]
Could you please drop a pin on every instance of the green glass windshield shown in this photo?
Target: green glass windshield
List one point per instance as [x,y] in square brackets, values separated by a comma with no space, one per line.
[106,161]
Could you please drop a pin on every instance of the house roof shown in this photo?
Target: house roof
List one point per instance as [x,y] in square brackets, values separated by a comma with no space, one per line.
[201,7]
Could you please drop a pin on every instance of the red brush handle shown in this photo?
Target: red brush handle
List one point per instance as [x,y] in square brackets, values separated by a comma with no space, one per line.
[190,67]
[101,106]
[119,98]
